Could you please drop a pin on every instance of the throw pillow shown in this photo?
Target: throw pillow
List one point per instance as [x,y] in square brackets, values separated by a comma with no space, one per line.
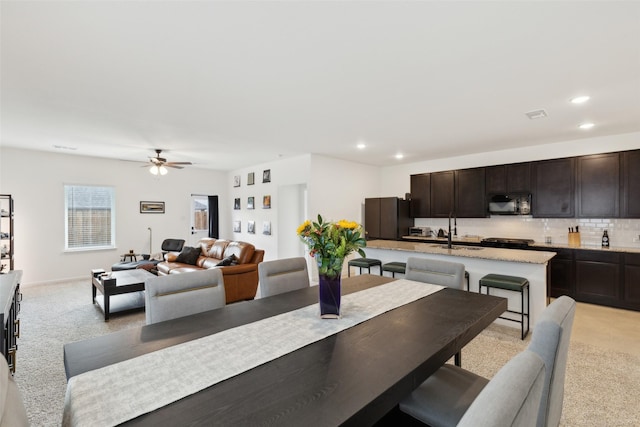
[230,260]
[188,255]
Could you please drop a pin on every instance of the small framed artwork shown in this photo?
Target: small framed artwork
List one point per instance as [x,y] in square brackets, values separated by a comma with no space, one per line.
[152,207]
[266,228]
[236,181]
[251,178]
[251,227]
[236,203]
[266,202]
[237,226]
[266,175]
[250,202]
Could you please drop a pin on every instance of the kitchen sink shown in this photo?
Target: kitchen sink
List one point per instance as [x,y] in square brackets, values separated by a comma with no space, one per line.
[457,248]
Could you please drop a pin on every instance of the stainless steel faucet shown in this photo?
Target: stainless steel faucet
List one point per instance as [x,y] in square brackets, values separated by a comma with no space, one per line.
[449,233]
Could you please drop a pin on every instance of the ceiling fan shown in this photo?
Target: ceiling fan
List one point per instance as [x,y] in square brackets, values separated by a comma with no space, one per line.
[159,164]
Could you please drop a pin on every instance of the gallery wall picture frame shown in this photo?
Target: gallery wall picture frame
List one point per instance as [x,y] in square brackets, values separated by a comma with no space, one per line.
[251,227]
[251,202]
[266,175]
[236,203]
[266,228]
[236,181]
[237,226]
[251,178]
[152,207]
[266,202]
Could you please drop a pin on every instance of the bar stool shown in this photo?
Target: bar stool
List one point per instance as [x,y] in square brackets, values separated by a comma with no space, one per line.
[364,263]
[395,267]
[510,283]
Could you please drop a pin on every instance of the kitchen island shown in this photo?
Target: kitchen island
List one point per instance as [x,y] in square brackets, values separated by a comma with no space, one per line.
[478,262]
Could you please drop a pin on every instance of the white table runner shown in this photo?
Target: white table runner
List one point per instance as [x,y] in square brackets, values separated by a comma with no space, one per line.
[117,393]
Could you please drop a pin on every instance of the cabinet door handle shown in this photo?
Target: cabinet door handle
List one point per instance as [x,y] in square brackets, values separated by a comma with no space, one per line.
[16,333]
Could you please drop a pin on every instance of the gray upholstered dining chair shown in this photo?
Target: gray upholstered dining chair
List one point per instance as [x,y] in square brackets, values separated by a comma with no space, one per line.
[445,273]
[282,275]
[445,396]
[12,410]
[512,397]
[178,295]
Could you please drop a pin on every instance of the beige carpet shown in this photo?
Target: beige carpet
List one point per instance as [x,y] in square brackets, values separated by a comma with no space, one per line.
[602,387]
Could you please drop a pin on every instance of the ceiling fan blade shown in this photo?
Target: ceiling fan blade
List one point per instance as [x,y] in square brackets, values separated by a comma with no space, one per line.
[177,163]
[173,165]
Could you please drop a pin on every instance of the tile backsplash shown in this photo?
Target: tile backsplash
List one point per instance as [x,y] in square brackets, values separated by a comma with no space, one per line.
[622,232]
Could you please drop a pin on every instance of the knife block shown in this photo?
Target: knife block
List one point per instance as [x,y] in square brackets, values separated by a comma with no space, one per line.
[574,239]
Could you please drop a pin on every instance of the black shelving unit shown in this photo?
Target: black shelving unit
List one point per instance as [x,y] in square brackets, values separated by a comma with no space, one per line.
[6,233]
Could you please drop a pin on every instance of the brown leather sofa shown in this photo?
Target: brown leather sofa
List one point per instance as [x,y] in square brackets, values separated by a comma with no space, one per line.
[240,279]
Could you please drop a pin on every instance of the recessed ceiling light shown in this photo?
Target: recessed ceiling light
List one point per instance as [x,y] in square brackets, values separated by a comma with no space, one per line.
[586,126]
[580,99]
[399,156]
[361,146]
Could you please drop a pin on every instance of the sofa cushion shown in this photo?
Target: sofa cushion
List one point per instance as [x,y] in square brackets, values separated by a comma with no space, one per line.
[230,260]
[242,250]
[217,249]
[189,255]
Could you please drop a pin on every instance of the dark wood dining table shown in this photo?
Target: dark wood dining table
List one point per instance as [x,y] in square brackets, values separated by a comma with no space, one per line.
[354,377]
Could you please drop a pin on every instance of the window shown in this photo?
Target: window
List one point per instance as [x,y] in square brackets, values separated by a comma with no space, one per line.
[89,217]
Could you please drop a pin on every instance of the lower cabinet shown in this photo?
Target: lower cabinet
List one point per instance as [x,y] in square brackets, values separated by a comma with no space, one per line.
[597,277]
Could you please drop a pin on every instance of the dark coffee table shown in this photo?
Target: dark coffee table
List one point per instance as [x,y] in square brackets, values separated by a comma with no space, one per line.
[126,282]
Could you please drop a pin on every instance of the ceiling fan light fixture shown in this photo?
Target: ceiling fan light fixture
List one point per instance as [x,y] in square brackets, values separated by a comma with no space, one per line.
[162,170]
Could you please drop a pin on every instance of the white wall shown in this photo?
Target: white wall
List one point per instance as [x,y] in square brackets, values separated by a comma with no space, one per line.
[36,180]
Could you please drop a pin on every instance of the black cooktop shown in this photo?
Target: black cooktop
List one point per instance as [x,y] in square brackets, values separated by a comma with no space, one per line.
[504,242]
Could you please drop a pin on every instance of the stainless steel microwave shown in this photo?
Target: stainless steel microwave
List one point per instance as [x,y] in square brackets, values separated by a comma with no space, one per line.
[502,204]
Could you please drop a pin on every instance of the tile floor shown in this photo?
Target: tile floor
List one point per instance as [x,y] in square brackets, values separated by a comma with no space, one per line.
[608,328]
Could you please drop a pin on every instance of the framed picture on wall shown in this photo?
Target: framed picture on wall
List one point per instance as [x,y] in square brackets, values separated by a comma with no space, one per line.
[236,203]
[266,202]
[237,226]
[152,207]
[250,202]
[251,177]
[266,175]
[236,181]
[251,227]
[266,228]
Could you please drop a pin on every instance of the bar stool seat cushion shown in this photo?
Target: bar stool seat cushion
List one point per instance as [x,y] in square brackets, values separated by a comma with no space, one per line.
[395,267]
[364,262]
[511,283]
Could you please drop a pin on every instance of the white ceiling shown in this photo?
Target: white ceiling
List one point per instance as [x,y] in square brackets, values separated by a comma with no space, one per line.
[232,84]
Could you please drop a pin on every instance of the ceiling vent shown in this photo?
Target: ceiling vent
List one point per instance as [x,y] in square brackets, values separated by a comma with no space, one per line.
[536,114]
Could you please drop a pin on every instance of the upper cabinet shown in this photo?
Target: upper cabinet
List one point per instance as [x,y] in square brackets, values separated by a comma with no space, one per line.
[442,194]
[420,205]
[508,179]
[553,188]
[470,201]
[598,189]
[630,184]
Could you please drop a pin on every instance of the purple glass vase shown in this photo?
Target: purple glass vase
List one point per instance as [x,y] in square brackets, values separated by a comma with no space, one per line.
[330,292]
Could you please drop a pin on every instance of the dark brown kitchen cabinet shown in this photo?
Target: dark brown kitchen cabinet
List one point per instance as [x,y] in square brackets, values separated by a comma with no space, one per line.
[631,282]
[598,186]
[630,184]
[508,179]
[470,201]
[442,194]
[420,206]
[561,273]
[553,188]
[386,218]
[598,275]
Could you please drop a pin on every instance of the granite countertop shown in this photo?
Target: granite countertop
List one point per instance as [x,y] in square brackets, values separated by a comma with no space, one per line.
[475,240]
[496,254]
